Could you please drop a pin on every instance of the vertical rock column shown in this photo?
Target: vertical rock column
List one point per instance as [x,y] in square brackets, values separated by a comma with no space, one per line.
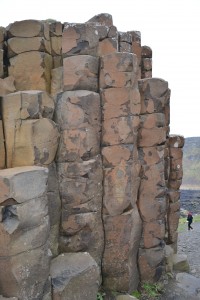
[24,231]
[31,138]
[79,162]
[146,62]
[29,53]
[122,224]
[176,144]
[152,193]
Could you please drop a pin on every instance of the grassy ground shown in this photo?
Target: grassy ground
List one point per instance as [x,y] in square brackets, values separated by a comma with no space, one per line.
[183,222]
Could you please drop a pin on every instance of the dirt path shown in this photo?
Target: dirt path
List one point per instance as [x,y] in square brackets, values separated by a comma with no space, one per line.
[189,244]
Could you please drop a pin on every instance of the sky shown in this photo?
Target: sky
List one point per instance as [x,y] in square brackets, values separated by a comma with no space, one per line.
[170,27]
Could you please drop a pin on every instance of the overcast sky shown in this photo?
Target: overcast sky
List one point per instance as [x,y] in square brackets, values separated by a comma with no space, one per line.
[170,27]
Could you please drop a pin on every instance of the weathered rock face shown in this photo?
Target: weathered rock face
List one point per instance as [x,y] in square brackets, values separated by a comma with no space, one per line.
[24,231]
[74,276]
[30,136]
[80,101]
[122,223]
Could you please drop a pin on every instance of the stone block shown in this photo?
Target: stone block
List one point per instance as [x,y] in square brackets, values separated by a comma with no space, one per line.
[150,137]
[120,102]
[169,253]
[2,147]
[22,183]
[7,86]
[173,220]
[56,45]
[117,155]
[147,64]
[118,185]
[82,232]
[74,276]
[151,263]
[57,61]
[81,185]
[150,121]
[146,52]
[151,155]
[28,29]
[125,47]
[77,109]
[31,70]
[17,45]
[153,233]
[125,37]
[119,130]
[174,196]
[31,142]
[136,44]
[78,144]
[122,237]
[154,92]
[25,270]
[27,105]
[16,240]
[107,46]
[55,28]
[153,181]
[81,73]
[82,39]
[152,209]
[117,70]
[56,81]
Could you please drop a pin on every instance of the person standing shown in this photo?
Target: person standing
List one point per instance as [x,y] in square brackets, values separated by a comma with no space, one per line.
[189,219]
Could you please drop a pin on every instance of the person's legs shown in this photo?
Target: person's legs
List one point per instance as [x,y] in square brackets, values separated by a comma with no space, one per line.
[189,225]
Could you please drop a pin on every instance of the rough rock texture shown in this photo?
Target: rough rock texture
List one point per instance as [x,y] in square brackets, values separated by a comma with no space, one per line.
[121,172]
[24,229]
[114,172]
[30,137]
[74,276]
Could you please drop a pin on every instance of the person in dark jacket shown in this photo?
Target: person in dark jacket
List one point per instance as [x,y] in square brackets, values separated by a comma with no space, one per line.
[189,219]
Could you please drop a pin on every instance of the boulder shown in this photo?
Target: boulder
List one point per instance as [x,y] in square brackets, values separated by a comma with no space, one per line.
[180,263]
[7,86]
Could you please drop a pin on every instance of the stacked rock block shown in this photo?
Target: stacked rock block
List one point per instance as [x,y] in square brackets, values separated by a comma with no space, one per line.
[79,162]
[176,144]
[31,138]
[29,54]
[120,120]
[153,133]
[56,29]
[24,231]
[125,42]
[146,62]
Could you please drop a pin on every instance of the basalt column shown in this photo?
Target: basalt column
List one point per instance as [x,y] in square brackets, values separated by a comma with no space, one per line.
[176,144]
[153,133]
[29,54]
[79,163]
[24,232]
[122,224]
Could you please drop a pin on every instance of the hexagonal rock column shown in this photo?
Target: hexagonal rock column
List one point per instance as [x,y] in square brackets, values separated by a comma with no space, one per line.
[24,230]
[79,170]
[29,53]
[74,276]
[122,225]
[176,144]
[152,192]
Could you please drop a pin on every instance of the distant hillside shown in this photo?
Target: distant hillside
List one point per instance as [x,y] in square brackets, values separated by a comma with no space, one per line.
[191,163]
